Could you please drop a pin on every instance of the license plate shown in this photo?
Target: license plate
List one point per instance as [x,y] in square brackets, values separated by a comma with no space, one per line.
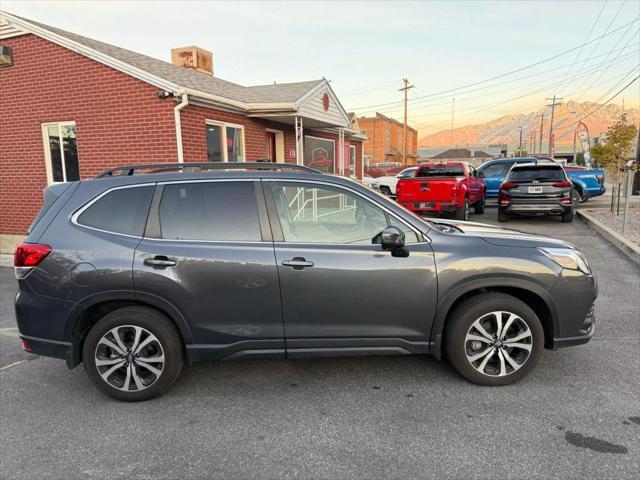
[426,205]
[535,189]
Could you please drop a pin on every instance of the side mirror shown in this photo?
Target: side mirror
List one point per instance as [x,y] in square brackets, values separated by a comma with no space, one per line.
[392,239]
[481,174]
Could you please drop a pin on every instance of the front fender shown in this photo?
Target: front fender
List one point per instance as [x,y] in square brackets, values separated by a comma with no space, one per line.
[473,284]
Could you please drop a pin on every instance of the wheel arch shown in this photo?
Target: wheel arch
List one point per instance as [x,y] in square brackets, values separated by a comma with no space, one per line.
[88,312]
[531,294]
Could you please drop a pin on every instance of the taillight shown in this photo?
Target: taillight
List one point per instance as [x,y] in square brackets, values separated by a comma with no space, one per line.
[25,345]
[508,186]
[562,184]
[30,254]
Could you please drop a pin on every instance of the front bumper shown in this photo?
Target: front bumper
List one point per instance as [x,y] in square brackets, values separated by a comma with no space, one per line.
[575,294]
[586,332]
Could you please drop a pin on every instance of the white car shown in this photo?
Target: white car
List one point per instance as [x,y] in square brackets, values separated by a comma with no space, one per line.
[388,183]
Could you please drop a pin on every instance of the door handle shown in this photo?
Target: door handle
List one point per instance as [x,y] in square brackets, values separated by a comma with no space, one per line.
[298,263]
[159,261]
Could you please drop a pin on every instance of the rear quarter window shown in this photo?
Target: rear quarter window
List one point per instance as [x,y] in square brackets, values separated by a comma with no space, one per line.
[441,171]
[122,210]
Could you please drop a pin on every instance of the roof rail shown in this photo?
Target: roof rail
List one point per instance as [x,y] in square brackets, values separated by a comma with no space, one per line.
[165,167]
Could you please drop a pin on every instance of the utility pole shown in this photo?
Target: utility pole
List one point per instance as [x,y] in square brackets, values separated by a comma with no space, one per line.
[520,144]
[541,132]
[453,111]
[404,127]
[553,108]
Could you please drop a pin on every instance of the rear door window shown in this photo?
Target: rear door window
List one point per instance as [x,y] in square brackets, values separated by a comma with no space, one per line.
[122,210]
[530,174]
[210,211]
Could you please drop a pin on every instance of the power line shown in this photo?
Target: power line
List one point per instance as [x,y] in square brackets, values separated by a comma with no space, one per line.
[508,73]
[602,104]
[544,81]
[595,22]
[606,30]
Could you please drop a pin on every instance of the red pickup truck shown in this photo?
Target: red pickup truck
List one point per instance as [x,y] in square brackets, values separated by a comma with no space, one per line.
[443,187]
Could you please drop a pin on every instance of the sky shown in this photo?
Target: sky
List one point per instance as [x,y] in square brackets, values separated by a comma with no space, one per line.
[365,49]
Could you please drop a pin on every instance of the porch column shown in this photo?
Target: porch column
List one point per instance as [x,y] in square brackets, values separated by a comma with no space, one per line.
[341,151]
[299,141]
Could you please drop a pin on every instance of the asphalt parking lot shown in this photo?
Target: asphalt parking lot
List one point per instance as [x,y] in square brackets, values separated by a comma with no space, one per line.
[576,416]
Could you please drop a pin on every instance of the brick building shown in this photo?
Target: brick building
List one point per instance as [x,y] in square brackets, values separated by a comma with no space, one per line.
[72,107]
[385,140]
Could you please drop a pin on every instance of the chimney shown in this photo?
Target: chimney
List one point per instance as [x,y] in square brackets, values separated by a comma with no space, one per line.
[194,58]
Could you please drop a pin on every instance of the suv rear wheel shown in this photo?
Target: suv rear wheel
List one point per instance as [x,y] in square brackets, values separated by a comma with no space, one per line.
[133,354]
[494,339]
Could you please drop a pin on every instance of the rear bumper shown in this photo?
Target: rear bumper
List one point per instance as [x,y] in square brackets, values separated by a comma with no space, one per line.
[430,207]
[594,192]
[46,347]
[550,208]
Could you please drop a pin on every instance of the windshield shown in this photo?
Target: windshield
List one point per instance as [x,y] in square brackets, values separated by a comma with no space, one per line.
[440,171]
[529,174]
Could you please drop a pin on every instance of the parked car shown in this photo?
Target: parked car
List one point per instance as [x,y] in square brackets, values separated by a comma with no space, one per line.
[442,187]
[536,189]
[387,184]
[587,183]
[134,273]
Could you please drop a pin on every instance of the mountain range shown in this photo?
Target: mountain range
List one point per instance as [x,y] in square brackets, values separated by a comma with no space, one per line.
[506,129]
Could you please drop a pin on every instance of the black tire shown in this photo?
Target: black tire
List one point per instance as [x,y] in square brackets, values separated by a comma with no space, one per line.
[577,196]
[385,190]
[567,217]
[154,323]
[479,206]
[463,317]
[502,216]
[584,199]
[462,213]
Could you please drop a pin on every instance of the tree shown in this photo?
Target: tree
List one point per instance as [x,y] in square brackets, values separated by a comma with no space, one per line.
[614,151]
[616,146]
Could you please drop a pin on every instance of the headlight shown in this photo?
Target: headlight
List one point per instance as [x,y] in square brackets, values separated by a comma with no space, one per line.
[568,258]
[376,185]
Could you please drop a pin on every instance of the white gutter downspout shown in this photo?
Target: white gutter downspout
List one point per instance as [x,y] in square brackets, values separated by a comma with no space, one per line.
[176,111]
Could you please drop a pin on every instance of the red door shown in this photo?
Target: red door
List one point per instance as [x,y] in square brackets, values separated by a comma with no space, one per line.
[270,153]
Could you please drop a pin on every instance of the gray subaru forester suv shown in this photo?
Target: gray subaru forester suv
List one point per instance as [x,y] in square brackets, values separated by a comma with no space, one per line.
[145,267]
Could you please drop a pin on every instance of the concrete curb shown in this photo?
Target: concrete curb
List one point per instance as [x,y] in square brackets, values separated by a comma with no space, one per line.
[627,247]
[6,260]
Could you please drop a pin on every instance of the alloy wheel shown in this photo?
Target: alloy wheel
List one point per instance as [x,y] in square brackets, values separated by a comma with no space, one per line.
[498,343]
[129,358]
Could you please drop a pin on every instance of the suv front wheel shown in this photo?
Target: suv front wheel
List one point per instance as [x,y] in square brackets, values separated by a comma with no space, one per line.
[494,339]
[133,354]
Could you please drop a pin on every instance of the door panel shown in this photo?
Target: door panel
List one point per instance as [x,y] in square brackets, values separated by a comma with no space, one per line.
[228,292]
[357,292]
[335,284]
[209,258]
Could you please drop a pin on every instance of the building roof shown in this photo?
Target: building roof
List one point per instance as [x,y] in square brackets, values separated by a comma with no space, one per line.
[481,154]
[191,79]
[389,119]
[453,153]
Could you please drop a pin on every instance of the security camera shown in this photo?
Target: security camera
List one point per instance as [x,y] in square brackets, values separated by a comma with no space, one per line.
[163,95]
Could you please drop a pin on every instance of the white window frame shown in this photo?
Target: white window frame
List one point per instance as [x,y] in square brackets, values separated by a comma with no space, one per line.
[352,171]
[47,149]
[334,150]
[223,138]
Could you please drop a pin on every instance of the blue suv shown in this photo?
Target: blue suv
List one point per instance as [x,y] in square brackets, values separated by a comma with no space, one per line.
[586,183]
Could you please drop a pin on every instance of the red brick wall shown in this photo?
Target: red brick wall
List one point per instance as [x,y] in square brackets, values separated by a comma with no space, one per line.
[118,120]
